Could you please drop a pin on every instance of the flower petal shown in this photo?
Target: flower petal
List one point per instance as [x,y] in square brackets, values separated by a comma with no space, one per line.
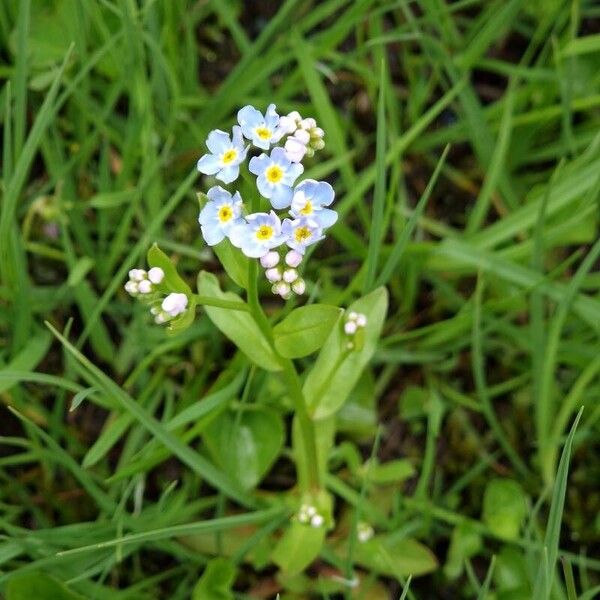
[212,235]
[218,141]
[281,196]
[209,164]
[228,174]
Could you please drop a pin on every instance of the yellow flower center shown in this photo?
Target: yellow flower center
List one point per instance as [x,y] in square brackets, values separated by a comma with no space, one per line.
[302,234]
[308,209]
[225,213]
[264,232]
[274,174]
[229,156]
[264,133]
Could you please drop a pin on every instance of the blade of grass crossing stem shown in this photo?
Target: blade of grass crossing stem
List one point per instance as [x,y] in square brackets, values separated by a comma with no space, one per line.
[21,68]
[478,367]
[393,259]
[192,459]
[545,576]
[405,588]
[494,169]
[376,231]
[14,186]
[547,406]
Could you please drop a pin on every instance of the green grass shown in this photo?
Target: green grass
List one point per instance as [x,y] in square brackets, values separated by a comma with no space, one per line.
[462,142]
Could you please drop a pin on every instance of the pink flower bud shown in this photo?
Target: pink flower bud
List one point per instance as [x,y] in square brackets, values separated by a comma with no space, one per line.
[299,286]
[269,260]
[273,275]
[293,258]
[290,275]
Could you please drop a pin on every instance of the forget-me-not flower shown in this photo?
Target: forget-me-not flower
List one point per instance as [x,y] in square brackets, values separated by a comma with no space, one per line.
[226,154]
[301,233]
[222,212]
[261,130]
[310,199]
[276,176]
[260,233]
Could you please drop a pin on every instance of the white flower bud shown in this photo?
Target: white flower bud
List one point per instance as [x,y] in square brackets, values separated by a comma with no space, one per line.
[316,521]
[137,274]
[131,287]
[350,327]
[293,258]
[175,304]
[352,316]
[302,136]
[361,320]
[160,318]
[350,346]
[155,310]
[308,123]
[299,286]
[269,260]
[317,132]
[156,275]
[311,511]
[364,532]
[294,149]
[283,289]
[290,275]
[144,286]
[273,275]
[317,144]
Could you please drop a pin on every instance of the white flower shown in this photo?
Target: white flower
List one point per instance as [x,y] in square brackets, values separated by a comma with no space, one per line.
[156,275]
[222,212]
[137,274]
[299,286]
[290,275]
[301,233]
[174,304]
[364,532]
[261,130]
[350,327]
[293,258]
[131,287]
[226,155]
[270,260]
[289,123]
[145,286]
[310,199]
[316,521]
[273,275]
[354,322]
[258,234]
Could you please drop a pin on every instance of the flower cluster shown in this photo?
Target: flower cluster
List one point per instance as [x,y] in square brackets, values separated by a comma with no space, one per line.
[353,323]
[309,515]
[260,234]
[144,285]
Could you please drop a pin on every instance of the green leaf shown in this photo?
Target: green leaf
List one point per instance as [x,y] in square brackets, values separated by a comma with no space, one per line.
[465,543]
[172,281]
[233,261]
[30,585]
[504,508]
[393,556]
[216,581]
[394,471]
[238,326]
[305,329]
[27,359]
[299,546]
[245,444]
[338,369]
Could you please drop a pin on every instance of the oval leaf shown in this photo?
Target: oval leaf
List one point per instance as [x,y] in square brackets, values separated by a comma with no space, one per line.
[172,281]
[504,508]
[299,546]
[337,370]
[238,326]
[245,445]
[305,329]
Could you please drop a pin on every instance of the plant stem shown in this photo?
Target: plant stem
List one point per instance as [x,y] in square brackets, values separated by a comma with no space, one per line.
[229,304]
[307,427]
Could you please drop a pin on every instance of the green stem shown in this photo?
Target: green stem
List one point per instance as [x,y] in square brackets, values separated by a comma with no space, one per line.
[230,304]
[307,427]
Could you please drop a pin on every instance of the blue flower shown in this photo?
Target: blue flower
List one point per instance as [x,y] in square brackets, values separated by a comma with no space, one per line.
[226,155]
[301,233]
[310,198]
[222,212]
[260,233]
[276,176]
[261,130]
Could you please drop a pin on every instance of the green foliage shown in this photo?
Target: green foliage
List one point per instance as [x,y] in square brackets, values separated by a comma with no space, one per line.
[216,581]
[26,586]
[304,330]
[504,508]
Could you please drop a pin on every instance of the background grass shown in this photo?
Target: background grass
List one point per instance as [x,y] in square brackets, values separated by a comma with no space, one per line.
[491,343]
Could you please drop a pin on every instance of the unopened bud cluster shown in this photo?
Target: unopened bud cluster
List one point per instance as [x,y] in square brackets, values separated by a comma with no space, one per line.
[305,138]
[142,282]
[284,277]
[143,285]
[364,532]
[310,516]
[354,322]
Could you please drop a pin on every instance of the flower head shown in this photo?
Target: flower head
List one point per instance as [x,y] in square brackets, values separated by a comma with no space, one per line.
[276,176]
[256,236]
[226,154]
[261,130]
[222,212]
[301,233]
[310,199]
[174,304]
